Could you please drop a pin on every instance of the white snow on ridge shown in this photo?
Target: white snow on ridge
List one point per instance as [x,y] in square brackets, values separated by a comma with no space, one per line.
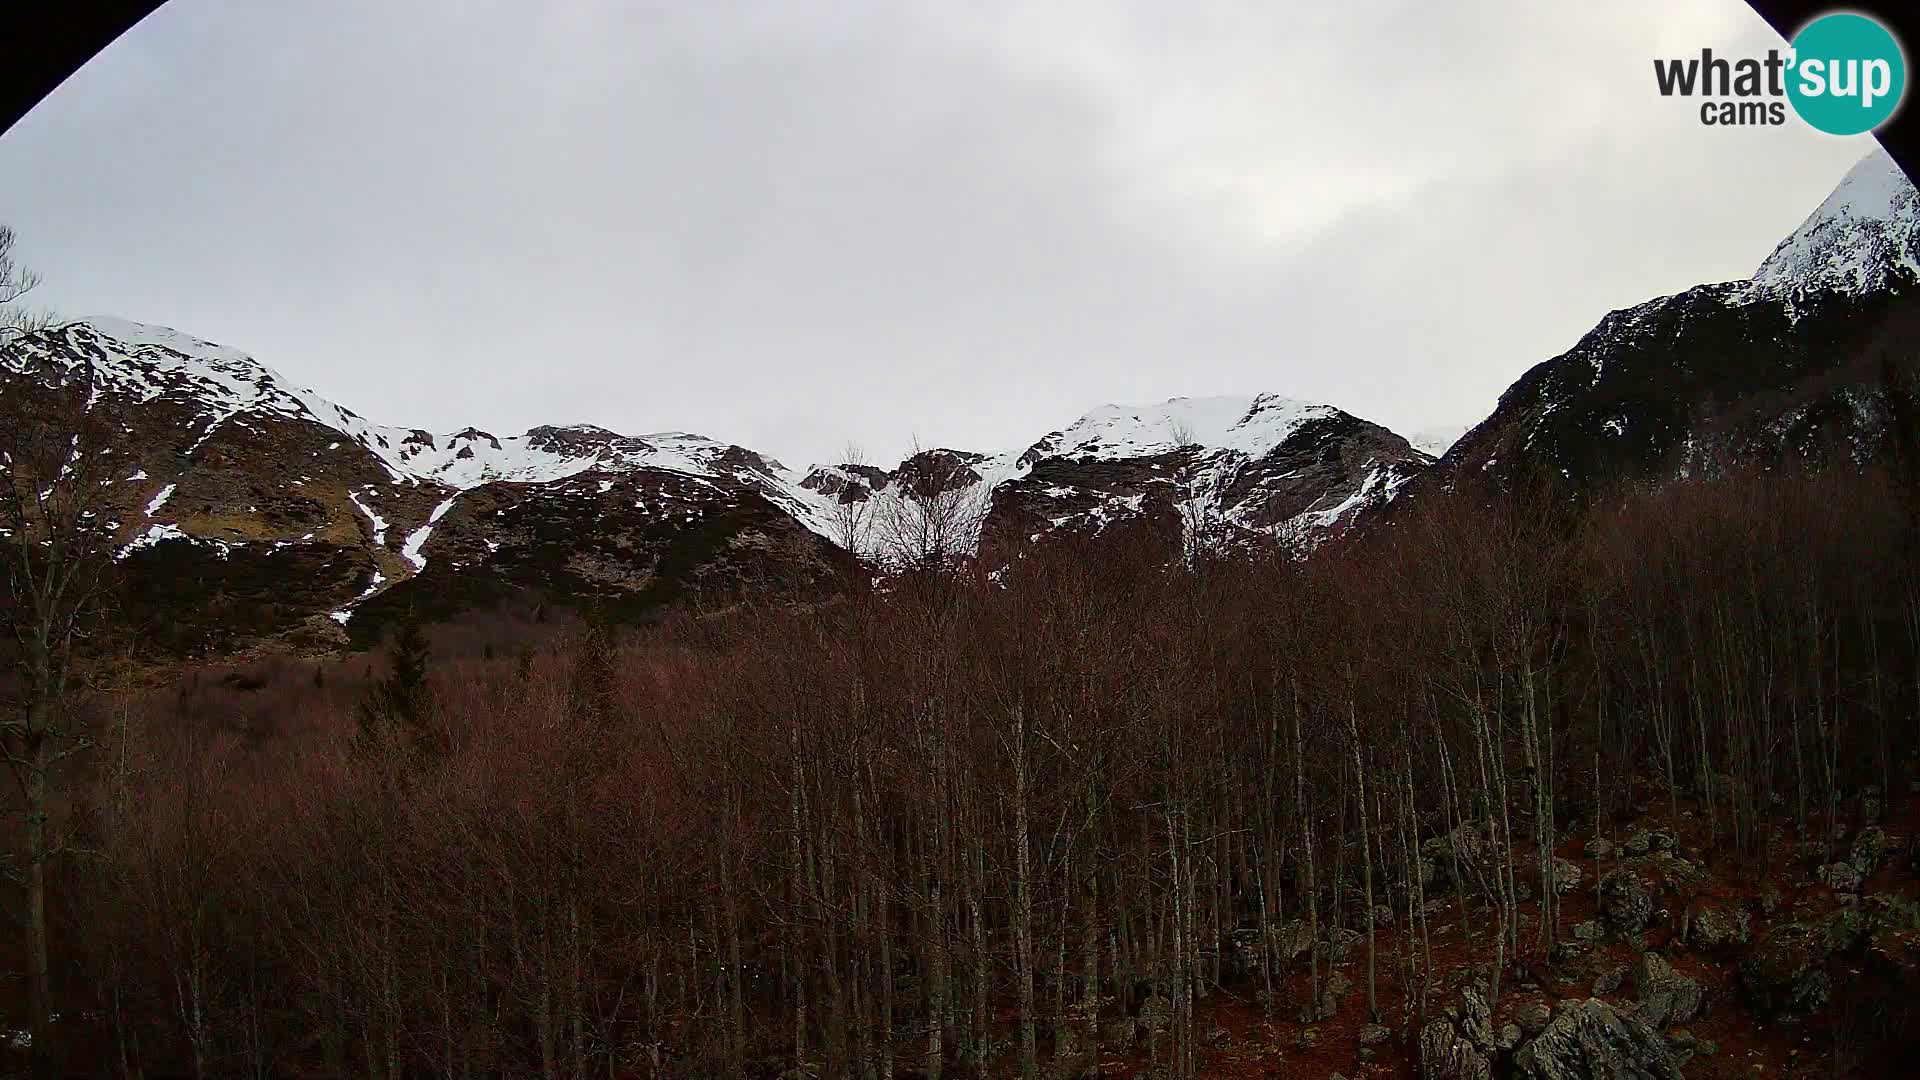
[1224,435]
[466,461]
[222,362]
[1865,230]
[1249,426]
[148,362]
[228,386]
[1863,238]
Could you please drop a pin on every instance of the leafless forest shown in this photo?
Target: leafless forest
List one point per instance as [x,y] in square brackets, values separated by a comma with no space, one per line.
[961,824]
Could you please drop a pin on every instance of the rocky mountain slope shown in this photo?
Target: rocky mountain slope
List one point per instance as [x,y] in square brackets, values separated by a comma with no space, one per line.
[254,509]
[1224,468]
[1785,364]
[1216,469]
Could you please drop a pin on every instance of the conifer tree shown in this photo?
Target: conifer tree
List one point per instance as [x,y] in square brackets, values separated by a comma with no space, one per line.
[396,716]
[594,690]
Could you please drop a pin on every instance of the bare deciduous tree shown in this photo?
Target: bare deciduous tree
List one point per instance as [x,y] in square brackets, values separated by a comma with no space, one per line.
[851,519]
[934,517]
[1180,429]
[57,546]
[16,282]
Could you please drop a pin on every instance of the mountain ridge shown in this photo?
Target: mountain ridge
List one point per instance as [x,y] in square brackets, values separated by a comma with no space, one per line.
[327,524]
[229,464]
[1780,365]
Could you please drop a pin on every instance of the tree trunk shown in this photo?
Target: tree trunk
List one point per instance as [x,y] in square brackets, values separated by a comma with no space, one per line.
[1023,900]
[1366,859]
[39,971]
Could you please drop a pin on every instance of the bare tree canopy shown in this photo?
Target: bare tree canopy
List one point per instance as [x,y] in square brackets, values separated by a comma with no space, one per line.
[56,539]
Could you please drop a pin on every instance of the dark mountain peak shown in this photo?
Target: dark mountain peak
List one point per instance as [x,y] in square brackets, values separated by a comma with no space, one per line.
[473,434]
[1781,365]
[570,438]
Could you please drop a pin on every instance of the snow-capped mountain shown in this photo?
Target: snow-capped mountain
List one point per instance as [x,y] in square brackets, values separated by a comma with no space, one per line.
[1216,469]
[1861,239]
[255,509]
[1783,364]
[1436,441]
[1234,467]
[223,386]
[306,518]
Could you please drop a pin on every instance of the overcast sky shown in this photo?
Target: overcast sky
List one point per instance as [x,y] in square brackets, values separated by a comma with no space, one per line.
[795,223]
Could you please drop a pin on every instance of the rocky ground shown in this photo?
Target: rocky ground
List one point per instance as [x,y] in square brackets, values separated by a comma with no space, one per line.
[1672,961]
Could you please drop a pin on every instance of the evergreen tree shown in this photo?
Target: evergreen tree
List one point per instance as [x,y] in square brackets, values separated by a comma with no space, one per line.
[396,716]
[594,691]
[1900,385]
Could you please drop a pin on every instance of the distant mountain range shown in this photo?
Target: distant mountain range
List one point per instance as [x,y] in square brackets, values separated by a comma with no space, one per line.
[255,511]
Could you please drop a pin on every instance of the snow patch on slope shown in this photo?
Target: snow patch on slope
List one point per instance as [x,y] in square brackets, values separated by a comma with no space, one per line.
[345,614]
[379,523]
[154,535]
[160,500]
[417,539]
[1379,482]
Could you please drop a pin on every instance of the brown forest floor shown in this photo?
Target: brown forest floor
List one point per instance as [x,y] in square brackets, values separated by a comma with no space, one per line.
[1240,1041]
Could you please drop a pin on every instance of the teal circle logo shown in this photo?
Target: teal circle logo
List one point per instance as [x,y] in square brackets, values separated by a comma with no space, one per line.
[1848,74]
